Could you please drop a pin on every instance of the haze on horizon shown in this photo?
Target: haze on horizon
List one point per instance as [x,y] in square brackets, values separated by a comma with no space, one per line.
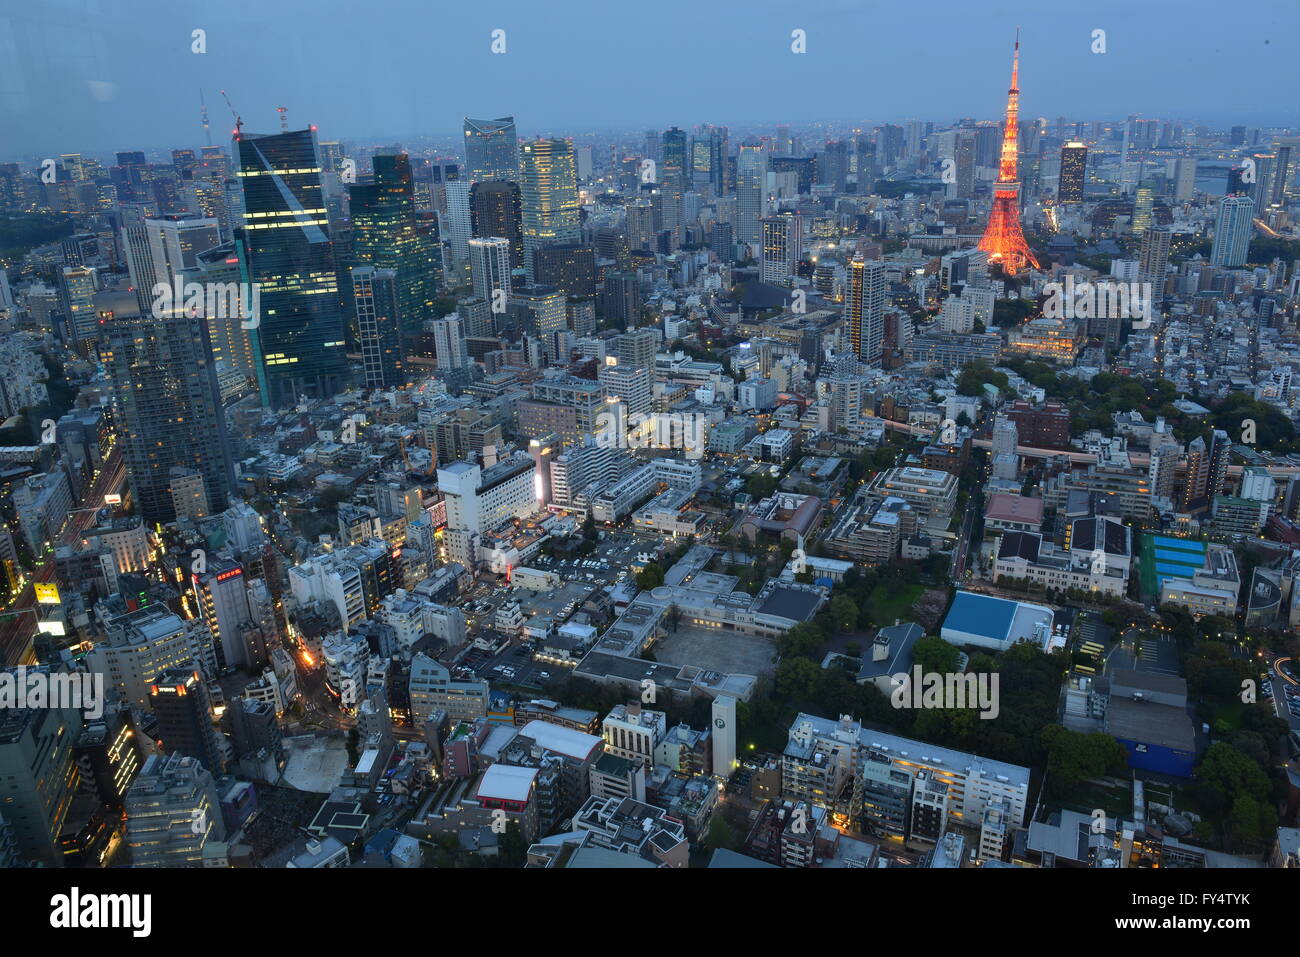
[88,76]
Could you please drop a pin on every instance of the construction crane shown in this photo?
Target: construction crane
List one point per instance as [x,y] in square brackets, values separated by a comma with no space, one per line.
[284,118]
[239,123]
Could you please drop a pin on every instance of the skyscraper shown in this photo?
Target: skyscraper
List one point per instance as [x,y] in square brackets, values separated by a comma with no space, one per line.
[167,408]
[964,149]
[385,235]
[299,339]
[232,349]
[751,194]
[162,247]
[77,302]
[1154,258]
[570,268]
[782,247]
[1184,179]
[38,777]
[1283,167]
[549,188]
[640,225]
[1232,231]
[1074,167]
[1142,203]
[675,159]
[379,325]
[449,342]
[1256,178]
[457,226]
[495,209]
[864,308]
[491,149]
[1003,239]
[489,267]
[833,167]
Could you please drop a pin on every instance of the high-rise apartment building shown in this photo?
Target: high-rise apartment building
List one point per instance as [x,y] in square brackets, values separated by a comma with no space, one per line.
[1232,231]
[782,248]
[751,194]
[1153,260]
[1074,171]
[449,342]
[489,269]
[864,308]
[168,409]
[379,326]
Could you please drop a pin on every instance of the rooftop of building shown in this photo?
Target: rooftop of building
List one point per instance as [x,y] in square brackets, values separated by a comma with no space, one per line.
[504,782]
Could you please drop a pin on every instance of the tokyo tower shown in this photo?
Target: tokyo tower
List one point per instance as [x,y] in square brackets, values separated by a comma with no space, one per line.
[1003,239]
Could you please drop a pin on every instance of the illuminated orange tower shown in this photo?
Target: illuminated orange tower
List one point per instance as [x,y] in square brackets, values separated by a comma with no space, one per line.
[1003,239]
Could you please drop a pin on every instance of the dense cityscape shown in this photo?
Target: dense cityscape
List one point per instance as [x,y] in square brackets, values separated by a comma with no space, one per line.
[915,494]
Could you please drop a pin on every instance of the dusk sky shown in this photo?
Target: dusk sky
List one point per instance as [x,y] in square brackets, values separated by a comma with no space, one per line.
[88,75]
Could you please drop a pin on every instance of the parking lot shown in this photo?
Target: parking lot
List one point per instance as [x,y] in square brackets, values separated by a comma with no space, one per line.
[515,666]
[610,560]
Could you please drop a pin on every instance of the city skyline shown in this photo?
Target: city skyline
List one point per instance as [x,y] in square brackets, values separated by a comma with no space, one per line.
[713,493]
[65,77]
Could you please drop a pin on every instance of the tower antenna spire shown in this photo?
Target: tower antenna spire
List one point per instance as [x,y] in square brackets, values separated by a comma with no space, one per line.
[203,112]
[1003,240]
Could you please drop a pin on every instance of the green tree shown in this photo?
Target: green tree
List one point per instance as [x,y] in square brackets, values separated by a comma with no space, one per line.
[934,654]
[720,834]
[798,678]
[844,611]
[650,577]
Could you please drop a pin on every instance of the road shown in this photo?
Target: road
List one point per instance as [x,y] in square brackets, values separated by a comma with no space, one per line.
[16,634]
[962,551]
[1280,680]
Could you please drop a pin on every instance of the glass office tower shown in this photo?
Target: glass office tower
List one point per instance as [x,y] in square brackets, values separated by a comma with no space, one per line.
[299,336]
[385,235]
[549,188]
[491,149]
